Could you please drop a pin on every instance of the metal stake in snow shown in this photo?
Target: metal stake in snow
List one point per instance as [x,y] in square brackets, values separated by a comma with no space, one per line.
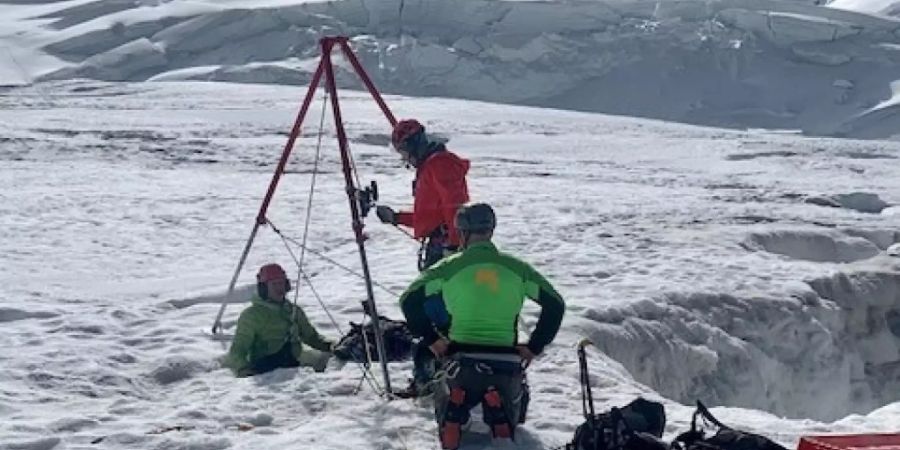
[325,67]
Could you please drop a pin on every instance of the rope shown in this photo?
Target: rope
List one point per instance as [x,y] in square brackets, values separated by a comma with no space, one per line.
[363,366]
[367,374]
[353,166]
[305,277]
[332,261]
[312,184]
[312,190]
[407,233]
[365,338]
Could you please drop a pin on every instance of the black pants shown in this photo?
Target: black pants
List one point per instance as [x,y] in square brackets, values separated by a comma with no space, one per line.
[475,379]
[424,363]
[284,357]
[433,251]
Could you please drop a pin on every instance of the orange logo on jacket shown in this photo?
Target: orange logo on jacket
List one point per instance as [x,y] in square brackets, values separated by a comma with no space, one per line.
[488,277]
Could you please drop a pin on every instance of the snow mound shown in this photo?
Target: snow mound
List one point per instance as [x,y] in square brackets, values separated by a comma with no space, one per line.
[859,201]
[73,425]
[178,368]
[241,294]
[813,245]
[734,63]
[883,238]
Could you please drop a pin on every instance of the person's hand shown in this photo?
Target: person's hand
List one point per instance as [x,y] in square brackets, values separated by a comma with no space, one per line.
[439,347]
[526,355]
[386,214]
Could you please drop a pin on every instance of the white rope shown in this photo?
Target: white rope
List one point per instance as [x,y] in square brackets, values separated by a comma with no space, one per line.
[333,262]
[301,273]
[312,184]
[367,373]
[312,189]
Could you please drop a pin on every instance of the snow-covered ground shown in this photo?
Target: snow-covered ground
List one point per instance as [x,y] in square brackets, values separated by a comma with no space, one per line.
[879,7]
[746,269]
[735,63]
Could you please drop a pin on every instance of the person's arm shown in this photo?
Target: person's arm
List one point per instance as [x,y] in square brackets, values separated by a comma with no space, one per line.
[424,291]
[452,192]
[238,359]
[552,309]
[308,333]
[405,218]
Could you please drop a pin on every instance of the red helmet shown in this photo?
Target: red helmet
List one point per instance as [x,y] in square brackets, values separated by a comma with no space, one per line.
[270,272]
[403,130]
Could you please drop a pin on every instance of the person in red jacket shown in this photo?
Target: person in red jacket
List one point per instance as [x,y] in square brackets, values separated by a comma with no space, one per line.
[439,189]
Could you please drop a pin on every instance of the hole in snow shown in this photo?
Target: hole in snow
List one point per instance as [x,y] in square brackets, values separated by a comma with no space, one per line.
[755,155]
[13,314]
[35,444]
[857,201]
[818,246]
[868,155]
[824,354]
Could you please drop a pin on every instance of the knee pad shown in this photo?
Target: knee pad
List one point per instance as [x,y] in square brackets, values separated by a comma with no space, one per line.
[455,415]
[495,414]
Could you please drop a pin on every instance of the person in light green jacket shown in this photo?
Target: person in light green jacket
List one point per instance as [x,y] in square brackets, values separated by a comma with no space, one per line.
[483,290]
[271,332]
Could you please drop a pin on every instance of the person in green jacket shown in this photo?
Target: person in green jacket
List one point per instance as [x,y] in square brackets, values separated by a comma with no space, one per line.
[271,332]
[484,291]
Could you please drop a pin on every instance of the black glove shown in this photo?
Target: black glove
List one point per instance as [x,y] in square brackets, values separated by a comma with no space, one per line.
[386,214]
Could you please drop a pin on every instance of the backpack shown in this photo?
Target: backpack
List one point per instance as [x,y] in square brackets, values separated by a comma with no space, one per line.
[726,438]
[621,428]
[359,344]
[636,426]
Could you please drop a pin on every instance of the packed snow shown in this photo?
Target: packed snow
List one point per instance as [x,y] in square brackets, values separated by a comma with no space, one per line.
[790,65]
[691,256]
[881,7]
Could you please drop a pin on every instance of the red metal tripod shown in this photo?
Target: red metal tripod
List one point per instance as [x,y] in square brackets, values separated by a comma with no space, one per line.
[325,67]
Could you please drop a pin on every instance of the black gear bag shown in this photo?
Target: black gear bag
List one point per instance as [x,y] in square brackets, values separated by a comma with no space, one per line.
[636,426]
[359,344]
[725,438]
